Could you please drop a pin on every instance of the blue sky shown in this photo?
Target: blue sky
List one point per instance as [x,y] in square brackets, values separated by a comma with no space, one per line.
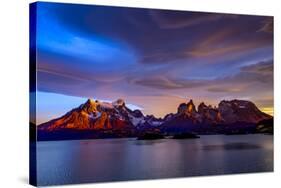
[153,59]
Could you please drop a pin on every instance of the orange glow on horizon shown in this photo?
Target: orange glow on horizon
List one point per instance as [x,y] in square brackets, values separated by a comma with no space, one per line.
[268,110]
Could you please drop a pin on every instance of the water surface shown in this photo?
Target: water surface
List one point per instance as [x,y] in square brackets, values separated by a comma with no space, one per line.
[83,161]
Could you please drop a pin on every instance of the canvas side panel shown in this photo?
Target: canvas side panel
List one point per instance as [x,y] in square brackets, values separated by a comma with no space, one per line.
[32,95]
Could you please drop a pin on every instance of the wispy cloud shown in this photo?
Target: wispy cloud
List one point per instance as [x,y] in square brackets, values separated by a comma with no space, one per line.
[267,25]
[227,41]
[179,19]
[161,82]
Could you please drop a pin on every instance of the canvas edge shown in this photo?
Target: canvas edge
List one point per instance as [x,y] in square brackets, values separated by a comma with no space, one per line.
[32,95]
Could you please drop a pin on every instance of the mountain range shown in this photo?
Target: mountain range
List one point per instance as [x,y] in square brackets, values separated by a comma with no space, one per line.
[96,119]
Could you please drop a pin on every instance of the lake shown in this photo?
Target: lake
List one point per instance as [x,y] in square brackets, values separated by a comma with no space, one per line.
[84,161]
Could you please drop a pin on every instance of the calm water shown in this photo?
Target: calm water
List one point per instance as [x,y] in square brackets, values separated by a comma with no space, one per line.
[64,162]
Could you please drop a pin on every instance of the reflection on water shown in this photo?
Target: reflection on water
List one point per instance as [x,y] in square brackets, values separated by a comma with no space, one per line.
[64,162]
[232,146]
[147,142]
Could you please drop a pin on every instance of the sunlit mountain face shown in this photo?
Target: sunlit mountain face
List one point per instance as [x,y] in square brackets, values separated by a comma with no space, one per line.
[153,59]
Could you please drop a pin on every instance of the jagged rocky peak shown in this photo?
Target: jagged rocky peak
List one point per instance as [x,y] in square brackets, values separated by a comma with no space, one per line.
[119,102]
[187,108]
[90,105]
[137,113]
[190,106]
[209,114]
[182,108]
[225,105]
[91,101]
[202,107]
[150,116]
[168,116]
[241,110]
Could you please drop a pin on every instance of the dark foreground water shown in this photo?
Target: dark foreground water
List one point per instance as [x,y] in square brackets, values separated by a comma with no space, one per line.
[82,161]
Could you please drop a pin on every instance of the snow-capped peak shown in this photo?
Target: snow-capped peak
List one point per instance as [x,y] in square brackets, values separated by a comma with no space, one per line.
[119,102]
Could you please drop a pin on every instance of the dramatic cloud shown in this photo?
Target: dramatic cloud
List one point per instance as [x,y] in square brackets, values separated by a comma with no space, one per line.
[180,19]
[154,59]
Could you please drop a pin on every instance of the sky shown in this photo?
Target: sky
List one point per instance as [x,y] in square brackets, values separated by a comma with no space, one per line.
[153,59]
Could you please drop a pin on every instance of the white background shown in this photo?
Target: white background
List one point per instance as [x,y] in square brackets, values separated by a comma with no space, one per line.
[14,92]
